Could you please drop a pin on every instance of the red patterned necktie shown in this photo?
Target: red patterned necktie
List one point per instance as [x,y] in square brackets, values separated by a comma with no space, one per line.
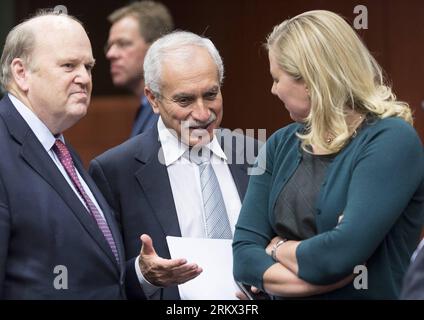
[65,159]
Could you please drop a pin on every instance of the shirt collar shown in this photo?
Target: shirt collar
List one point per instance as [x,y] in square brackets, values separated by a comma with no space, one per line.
[43,134]
[173,148]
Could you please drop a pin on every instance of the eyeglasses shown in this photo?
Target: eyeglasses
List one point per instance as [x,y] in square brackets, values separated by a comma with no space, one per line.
[120,44]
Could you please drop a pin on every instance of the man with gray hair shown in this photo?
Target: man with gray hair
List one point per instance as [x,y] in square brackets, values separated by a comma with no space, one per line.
[134,28]
[181,177]
[58,237]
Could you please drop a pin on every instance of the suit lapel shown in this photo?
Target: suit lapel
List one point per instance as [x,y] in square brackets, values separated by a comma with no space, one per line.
[37,158]
[154,181]
[238,171]
[108,214]
[241,179]
[34,154]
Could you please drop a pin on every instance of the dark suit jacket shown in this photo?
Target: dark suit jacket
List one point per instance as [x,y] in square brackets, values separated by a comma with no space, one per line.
[144,119]
[413,284]
[137,187]
[43,224]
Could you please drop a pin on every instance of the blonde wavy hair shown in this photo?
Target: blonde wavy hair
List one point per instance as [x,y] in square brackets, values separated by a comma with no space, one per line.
[320,48]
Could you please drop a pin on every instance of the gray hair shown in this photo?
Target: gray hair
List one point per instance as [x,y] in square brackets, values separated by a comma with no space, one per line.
[175,43]
[20,43]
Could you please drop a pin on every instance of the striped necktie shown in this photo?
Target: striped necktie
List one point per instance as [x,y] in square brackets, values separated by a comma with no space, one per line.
[216,220]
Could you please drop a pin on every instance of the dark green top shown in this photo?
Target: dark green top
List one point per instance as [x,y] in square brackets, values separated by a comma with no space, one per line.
[370,210]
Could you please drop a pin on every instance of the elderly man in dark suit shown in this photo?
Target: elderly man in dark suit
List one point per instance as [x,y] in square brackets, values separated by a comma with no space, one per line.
[58,239]
[184,177]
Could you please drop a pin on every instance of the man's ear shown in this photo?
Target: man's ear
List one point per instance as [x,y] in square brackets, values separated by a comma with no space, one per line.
[20,74]
[153,100]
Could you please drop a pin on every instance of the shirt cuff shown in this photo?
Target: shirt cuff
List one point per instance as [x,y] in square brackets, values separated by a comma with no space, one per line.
[149,289]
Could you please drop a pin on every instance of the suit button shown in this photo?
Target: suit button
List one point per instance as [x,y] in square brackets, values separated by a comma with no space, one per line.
[318,211]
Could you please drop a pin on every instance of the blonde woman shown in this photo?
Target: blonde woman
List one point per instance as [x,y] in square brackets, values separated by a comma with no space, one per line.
[343,185]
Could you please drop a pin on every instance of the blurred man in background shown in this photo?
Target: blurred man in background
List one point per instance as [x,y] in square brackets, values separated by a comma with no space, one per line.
[134,28]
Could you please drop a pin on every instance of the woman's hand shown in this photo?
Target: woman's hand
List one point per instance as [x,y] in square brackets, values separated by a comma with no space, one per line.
[271,245]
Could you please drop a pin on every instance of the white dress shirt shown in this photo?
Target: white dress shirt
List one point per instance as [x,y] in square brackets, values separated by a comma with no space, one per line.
[47,140]
[184,177]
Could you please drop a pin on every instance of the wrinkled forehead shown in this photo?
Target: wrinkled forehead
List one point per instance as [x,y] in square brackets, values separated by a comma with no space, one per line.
[55,23]
[188,63]
[57,29]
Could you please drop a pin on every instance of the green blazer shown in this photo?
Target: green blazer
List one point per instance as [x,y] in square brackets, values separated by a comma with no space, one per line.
[370,210]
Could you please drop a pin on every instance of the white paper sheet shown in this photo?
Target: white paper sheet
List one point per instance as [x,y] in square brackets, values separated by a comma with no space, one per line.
[215,257]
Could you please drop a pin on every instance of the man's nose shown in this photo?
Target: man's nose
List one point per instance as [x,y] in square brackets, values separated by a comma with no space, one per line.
[111,52]
[201,112]
[83,75]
